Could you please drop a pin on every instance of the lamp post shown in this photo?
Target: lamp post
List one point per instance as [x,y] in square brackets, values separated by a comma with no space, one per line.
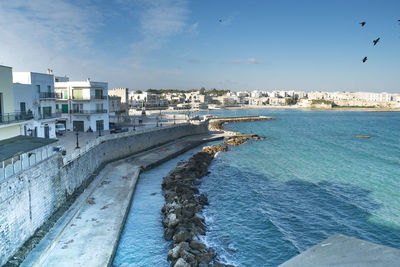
[77,138]
[134,122]
[174,118]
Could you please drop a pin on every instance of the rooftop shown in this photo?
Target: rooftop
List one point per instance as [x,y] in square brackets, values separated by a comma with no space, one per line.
[21,144]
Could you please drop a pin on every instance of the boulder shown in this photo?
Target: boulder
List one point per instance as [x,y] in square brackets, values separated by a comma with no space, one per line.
[197,245]
[181,263]
[182,236]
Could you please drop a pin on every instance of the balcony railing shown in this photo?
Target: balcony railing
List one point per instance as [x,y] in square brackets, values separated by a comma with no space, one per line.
[50,115]
[100,97]
[97,97]
[14,117]
[47,95]
[96,111]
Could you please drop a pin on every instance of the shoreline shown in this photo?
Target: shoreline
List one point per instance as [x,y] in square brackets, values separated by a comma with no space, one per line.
[350,109]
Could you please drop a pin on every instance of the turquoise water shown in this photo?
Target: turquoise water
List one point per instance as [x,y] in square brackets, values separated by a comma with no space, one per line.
[270,200]
[142,241]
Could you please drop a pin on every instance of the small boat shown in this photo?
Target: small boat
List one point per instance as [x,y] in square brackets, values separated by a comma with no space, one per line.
[363,136]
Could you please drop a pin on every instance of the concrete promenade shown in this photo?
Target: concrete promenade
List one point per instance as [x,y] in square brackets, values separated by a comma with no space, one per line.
[88,234]
[346,251]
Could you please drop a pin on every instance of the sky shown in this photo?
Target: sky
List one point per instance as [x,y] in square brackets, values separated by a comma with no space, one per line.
[307,45]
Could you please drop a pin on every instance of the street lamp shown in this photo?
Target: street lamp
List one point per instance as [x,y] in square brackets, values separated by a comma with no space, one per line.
[77,138]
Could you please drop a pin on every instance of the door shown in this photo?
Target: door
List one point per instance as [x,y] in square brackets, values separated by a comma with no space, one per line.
[22,107]
[78,126]
[46,131]
[99,125]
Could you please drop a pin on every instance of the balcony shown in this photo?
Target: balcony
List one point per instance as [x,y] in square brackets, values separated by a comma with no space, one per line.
[49,95]
[15,117]
[85,112]
[99,97]
[46,116]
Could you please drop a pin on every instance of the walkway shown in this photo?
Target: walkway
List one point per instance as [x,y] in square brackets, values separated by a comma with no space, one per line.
[88,234]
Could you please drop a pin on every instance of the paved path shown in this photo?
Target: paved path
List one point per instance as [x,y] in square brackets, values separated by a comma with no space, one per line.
[346,251]
[88,234]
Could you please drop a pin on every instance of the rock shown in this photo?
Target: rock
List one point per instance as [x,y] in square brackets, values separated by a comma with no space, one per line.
[175,253]
[188,257]
[172,220]
[181,263]
[205,257]
[182,236]
[198,245]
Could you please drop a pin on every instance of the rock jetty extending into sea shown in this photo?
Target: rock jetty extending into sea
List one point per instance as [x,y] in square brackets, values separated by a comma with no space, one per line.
[183,220]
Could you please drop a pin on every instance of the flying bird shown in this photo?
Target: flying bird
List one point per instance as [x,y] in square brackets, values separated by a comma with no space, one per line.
[376,41]
[362,23]
[364,60]
[220,20]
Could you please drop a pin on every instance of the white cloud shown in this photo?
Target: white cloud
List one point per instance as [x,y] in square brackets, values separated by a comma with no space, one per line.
[159,21]
[63,35]
[253,61]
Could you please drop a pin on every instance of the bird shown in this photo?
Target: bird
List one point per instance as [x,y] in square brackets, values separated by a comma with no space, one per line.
[220,20]
[362,23]
[364,59]
[376,41]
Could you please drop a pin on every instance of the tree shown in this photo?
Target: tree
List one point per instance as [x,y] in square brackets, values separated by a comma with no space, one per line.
[138,92]
[203,91]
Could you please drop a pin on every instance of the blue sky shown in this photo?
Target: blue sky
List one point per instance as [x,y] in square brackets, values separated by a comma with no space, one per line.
[267,45]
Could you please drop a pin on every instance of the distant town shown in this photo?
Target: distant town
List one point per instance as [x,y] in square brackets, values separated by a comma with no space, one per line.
[32,104]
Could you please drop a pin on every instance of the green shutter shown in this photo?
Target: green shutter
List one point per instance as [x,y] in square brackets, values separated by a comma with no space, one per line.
[64,108]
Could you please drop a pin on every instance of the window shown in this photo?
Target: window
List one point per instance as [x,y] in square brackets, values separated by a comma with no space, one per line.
[98,94]
[49,88]
[77,108]
[46,112]
[99,107]
[77,94]
[38,88]
[22,107]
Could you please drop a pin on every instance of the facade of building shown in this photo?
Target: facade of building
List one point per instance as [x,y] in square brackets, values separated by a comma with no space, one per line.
[34,94]
[11,119]
[83,104]
[123,94]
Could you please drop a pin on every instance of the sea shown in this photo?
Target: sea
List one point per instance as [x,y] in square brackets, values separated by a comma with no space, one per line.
[272,199]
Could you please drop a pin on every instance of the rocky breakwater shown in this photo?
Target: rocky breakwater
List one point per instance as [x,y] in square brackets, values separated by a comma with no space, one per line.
[183,221]
[216,124]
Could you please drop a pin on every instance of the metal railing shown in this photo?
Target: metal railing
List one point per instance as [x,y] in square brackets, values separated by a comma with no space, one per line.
[96,97]
[14,117]
[99,97]
[95,111]
[47,95]
[50,115]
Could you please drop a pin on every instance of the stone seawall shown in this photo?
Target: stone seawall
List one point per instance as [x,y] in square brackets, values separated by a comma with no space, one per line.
[29,199]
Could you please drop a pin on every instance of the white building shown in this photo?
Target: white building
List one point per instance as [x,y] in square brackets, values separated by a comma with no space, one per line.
[83,104]
[34,94]
[11,120]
